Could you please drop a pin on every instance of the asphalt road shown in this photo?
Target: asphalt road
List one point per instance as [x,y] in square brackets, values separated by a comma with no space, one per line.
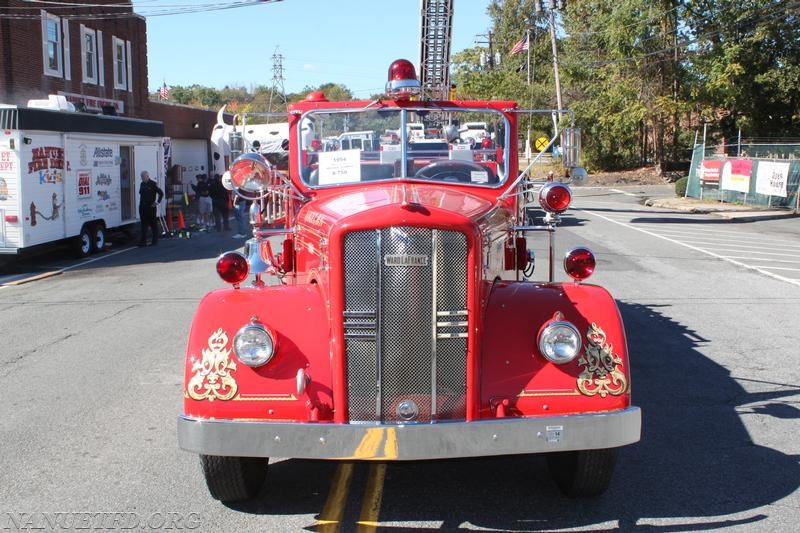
[91,371]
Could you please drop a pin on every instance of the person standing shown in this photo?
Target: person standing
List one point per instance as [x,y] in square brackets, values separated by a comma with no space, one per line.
[205,206]
[150,195]
[241,211]
[221,203]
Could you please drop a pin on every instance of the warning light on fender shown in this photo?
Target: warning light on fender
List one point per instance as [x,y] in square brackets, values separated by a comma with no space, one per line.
[232,267]
[579,263]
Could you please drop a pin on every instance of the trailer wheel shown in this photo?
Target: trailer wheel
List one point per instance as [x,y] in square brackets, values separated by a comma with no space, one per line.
[582,473]
[231,479]
[98,237]
[83,243]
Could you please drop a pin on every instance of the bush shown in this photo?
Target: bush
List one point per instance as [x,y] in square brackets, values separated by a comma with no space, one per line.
[680,186]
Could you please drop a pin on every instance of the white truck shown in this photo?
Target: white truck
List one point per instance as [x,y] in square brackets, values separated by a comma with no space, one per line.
[270,139]
[473,132]
[67,175]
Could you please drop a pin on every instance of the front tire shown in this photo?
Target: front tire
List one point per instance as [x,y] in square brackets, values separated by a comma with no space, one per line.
[83,243]
[582,473]
[98,237]
[231,479]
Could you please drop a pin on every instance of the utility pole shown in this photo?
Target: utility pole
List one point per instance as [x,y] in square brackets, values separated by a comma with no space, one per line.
[552,6]
[555,60]
[488,41]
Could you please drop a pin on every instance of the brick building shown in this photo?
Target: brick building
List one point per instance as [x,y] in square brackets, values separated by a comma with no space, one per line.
[96,58]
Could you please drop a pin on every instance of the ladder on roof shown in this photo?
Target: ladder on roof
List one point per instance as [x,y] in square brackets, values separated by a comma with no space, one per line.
[435,40]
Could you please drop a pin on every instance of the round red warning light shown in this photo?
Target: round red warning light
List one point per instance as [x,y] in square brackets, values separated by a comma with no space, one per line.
[555,197]
[232,267]
[579,263]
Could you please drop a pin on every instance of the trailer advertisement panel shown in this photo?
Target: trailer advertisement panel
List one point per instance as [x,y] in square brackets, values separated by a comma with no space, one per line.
[9,194]
[42,167]
[93,182]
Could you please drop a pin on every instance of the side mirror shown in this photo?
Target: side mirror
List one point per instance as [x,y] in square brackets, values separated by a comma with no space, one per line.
[578,175]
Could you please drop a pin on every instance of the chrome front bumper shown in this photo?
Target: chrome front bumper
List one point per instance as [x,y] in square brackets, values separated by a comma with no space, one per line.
[444,440]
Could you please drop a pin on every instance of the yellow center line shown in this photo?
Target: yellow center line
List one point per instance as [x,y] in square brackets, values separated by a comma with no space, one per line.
[373,494]
[331,517]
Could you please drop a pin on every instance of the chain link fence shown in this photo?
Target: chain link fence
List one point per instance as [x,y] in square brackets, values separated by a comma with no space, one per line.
[761,175]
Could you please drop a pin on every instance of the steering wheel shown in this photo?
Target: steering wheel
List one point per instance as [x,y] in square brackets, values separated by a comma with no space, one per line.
[458,171]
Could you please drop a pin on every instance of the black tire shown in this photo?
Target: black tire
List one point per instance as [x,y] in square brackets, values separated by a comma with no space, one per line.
[98,233]
[583,473]
[83,243]
[231,479]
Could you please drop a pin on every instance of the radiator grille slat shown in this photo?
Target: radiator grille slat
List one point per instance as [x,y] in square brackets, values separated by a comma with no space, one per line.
[405,323]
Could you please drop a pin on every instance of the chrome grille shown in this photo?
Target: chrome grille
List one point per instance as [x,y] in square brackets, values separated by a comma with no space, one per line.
[405,323]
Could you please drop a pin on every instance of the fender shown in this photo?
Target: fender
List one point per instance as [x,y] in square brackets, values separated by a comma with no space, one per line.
[516,378]
[218,385]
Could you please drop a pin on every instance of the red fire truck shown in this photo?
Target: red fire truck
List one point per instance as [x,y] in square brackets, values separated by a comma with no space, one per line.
[382,309]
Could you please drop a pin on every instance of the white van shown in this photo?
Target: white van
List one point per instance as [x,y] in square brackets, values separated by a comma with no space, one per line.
[362,140]
[473,130]
[415,130]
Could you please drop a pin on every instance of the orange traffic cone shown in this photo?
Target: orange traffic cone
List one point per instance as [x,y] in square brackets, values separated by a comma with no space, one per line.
[181,223]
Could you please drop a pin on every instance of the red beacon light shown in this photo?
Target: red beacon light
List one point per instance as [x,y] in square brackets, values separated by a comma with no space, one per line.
[232,267]
[316,96]
[579,263]
[402,83]
[555,197]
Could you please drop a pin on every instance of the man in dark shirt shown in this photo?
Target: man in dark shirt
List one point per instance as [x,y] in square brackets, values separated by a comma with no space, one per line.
[220,199]
[150,195]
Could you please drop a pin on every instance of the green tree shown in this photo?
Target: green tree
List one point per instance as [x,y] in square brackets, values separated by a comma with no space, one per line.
[621,67]
[746,59]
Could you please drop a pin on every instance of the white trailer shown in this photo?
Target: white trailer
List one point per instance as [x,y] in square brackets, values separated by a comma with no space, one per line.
[67,175]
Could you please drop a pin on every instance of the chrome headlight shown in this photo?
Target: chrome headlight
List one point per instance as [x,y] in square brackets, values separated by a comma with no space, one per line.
[254,345]
[560,342]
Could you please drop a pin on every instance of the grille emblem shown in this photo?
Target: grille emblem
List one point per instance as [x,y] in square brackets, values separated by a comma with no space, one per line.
[407,410]
[405,260]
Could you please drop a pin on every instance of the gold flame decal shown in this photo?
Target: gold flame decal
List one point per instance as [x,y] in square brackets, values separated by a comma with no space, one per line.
[212,379]
[602,374]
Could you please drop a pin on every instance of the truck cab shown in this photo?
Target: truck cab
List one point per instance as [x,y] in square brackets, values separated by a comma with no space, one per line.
[382,310]
[358,140]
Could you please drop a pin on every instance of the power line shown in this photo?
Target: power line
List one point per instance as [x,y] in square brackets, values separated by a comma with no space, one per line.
[162,9]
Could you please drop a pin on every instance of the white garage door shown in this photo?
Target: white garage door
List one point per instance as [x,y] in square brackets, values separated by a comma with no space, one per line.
[192,156]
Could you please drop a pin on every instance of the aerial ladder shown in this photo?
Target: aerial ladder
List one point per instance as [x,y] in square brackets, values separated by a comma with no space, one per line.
[435,40]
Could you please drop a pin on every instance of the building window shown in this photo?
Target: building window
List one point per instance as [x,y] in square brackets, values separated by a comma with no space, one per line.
[89,54]
[52,45]
[130,65]
[120,64]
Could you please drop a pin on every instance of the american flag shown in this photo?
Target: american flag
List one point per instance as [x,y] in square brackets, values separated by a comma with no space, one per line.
[520,45]
[163,92]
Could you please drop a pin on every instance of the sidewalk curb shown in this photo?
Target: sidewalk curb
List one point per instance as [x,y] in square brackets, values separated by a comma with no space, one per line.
[730,212]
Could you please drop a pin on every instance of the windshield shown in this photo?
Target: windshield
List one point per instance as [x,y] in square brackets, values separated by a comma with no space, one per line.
[391,143]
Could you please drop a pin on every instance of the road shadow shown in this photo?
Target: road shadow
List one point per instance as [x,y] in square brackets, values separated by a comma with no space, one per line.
[567,219]
[695,465]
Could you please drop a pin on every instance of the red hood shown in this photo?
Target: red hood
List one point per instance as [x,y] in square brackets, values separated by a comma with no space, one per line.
[328,209]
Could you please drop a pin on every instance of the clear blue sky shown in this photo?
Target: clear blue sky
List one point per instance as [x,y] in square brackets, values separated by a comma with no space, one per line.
[350,42]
